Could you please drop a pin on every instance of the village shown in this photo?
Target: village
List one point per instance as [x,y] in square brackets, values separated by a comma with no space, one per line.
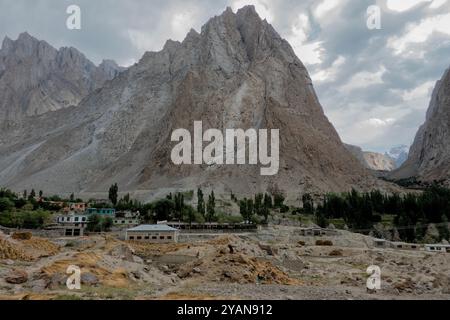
[127,254]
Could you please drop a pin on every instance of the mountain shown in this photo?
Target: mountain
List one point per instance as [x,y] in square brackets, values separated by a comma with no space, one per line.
[399,154]
[36,78]
[372,160]
[429,157]
[237,73]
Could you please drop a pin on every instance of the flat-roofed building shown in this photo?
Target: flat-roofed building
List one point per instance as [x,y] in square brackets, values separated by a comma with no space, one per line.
[73,224]
[155,233]
[102,211]
[126,222]
[443,248]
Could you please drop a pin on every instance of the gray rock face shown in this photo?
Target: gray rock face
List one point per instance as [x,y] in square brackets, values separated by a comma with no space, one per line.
[237,73]
[429,157]
[36,78]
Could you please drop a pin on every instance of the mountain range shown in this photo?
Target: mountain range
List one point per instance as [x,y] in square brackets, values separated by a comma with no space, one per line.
[70,126]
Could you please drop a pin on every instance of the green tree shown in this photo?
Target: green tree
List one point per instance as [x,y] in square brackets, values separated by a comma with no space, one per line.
[268,201]
[179,205]
[211,207]
[201,208]
[107,224]
[278,200]
[113,193]
[94,222]
[6,204]
[308,204]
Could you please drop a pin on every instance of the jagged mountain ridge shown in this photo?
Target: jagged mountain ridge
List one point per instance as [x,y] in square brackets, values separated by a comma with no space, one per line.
[237,73]
[36,78]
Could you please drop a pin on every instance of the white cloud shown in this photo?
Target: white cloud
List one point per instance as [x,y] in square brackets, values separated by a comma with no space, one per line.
[141,40]
[420,93]
[261,6]
[309,52]
[181,23]
[405,5]
[420,32]
[364,79]
[329,74]
[325,7]
[376,123]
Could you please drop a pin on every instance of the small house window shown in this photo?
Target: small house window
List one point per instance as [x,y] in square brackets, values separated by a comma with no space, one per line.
[154,238]
[131,238]
[147,238]
[139,238]
[161,237]
[169,237]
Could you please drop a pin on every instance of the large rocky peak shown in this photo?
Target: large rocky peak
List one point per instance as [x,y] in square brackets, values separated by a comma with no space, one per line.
[36,78]
[236,73]
[429,157]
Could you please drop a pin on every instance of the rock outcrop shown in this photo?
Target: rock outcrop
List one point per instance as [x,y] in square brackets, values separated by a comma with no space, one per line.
[237,73]
[36,78]
[372,160]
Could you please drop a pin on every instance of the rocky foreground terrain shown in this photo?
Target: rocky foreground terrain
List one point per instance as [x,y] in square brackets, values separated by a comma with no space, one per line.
[274,263]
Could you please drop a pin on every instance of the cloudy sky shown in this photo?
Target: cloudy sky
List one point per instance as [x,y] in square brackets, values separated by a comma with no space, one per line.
[374,85]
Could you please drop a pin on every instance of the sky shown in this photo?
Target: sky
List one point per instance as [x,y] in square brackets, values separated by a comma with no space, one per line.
[374,84]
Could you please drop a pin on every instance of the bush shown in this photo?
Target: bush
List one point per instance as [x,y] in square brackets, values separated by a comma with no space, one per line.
[324,243]
[336,253]
[302,243]
[25,219]
[6,204]
[22,235]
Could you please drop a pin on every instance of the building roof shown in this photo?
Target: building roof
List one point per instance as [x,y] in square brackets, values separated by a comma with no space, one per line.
[152,227]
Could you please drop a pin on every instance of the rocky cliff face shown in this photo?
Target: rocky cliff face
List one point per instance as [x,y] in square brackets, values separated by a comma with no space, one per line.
[237,73]
[429,157]
[399,154]
[36,78]
[372,160]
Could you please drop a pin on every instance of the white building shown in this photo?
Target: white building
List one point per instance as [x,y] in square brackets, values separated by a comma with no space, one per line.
[159,233]
[443,248]
[73,224]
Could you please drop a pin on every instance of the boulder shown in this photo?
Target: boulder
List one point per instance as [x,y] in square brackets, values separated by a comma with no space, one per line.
[17,277]
[89,279]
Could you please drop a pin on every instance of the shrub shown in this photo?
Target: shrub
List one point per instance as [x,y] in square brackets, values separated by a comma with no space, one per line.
[336,253]
[22,235]
[324,243]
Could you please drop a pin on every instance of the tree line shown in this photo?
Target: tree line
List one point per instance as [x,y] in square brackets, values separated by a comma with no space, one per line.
[413,212]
